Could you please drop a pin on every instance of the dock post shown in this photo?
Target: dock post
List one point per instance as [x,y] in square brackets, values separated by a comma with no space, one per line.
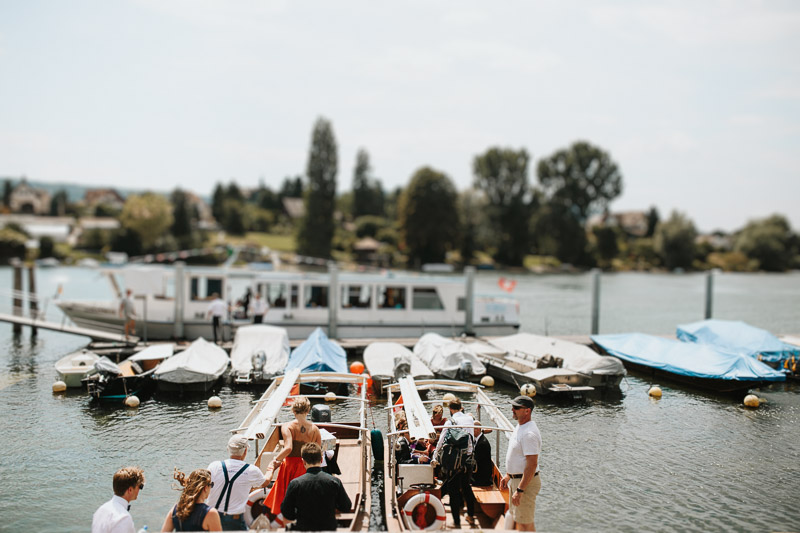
[16,298]
[469,300]
[177,331]
[595,301]
[33,305]
[333,293]
[709,293]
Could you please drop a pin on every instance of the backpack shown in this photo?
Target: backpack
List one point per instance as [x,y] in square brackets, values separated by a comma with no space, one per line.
[454,456]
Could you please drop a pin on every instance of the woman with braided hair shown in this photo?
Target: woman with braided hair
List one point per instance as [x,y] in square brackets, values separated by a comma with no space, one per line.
[191,512]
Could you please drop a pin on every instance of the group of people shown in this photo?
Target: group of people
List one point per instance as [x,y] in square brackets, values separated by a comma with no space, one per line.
[215,498]
[252,304]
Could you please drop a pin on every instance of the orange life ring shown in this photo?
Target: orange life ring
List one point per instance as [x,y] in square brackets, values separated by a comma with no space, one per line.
[256,495]
[430,499]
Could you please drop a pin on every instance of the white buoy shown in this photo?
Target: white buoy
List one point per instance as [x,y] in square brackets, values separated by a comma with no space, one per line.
[330,396]
[215,402]
[59,386]
[528,389]
[751,400]
[447,398]
[132,401]
[655,391]
[487,381]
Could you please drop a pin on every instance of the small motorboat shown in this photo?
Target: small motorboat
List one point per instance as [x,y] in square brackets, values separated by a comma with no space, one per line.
[72,368]
[699,365]
[389,361]
[133,376]
[449,358]
[260,352]
[198,368]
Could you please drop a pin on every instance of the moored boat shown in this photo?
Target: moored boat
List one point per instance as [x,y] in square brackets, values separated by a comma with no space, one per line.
[73,367]
[133,376]
[198,368]
[388,361]
[698,365]
[449,358]
[260,352]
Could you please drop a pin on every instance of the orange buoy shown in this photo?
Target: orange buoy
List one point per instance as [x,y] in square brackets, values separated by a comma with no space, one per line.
[356,367]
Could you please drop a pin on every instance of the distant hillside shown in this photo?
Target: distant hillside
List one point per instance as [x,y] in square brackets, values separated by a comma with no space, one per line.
[75,192]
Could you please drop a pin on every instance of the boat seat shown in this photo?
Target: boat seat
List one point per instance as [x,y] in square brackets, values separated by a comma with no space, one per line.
[413,474]
[487,495]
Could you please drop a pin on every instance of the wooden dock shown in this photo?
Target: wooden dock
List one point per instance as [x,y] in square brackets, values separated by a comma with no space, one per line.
[94,334]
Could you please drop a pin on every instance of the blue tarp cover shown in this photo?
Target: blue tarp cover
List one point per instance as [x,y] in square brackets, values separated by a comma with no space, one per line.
[318,354]
[738,337]
[686,359]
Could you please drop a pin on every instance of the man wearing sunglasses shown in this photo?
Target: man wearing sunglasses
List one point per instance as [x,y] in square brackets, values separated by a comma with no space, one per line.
[114,516]
[522,465]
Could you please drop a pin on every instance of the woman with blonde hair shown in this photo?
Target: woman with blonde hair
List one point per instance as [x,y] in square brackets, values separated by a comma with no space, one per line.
[191,512]
[295,434]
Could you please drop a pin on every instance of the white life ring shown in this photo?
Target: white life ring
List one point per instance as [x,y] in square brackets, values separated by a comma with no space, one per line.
[430,499]
[256,495]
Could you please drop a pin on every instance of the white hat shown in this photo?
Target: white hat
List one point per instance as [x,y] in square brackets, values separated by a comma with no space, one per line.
[237,445]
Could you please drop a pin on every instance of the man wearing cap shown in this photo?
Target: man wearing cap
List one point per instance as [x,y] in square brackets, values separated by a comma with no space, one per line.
[522,465]
[231,481]
[114,516]
[458,485]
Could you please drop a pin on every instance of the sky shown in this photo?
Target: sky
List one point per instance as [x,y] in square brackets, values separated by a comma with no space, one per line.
[698,103]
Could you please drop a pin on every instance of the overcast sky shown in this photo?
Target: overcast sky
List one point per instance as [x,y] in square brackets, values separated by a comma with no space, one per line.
[698,102]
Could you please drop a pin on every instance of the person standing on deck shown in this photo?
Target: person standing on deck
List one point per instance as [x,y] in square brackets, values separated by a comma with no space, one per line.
[114,516]
[216,311]
[258,308]
[522,464]
[482,477]
[458,486]
[231,481]
[128,312]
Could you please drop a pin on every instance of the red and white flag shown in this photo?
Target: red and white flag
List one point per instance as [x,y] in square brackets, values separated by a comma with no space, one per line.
[507,284]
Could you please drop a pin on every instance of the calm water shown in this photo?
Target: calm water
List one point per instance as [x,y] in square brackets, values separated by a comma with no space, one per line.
[690,461]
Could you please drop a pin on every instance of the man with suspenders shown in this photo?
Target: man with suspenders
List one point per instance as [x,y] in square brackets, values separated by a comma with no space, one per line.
[232,480]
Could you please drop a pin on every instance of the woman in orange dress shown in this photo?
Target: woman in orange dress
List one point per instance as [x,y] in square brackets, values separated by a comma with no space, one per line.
[295,434]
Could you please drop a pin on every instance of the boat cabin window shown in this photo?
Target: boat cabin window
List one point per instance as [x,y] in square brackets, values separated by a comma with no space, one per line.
[295,292]
[426,298]
[203,288]
[356,296]
[391,297]
[316,296]
[275,294]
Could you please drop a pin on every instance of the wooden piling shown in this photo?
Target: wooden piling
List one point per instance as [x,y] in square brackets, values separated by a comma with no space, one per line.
[16,298]
[33,304]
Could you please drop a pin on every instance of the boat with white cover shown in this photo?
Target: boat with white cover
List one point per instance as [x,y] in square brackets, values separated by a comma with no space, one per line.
[449,358]
[260,352]
[345,434]
[388,361]
[195,369]
[73,367]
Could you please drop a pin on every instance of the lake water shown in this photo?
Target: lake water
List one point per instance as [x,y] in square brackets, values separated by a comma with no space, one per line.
[691,461]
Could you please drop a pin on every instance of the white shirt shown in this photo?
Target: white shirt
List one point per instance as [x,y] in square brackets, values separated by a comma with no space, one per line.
[459,418]
[252,477]
[218,307]
[258,307]
[113,517]
[525,440]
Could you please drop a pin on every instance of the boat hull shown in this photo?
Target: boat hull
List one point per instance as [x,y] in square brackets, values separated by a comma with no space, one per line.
[197,386]
[74,380]
[727,386]
[119,388]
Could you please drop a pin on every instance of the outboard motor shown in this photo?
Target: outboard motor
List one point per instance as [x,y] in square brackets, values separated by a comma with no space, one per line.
[464,370]
[258,360]
[402,366]
[320,413]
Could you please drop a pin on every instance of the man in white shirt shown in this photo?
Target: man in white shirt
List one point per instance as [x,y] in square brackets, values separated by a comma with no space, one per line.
[258,308]
[216,310]
[113,516]
[522,464]
[231,481]
[459,486]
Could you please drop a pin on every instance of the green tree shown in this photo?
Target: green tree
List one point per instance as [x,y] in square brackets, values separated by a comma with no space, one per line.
[182,218]
[769,241]
[606,241]
[674,241]
[217,202]
[428,217]
[12,243]
[476,231]
[149,215]
[581,179]
[652,221]
[265,198]
[291,188]
[367,191]
[317,228]
[46,247]
[58,204]
[502,174]
[7,188]
[558,233]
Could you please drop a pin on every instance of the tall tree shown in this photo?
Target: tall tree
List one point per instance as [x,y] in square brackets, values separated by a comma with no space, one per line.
[582,179]
[367,191]
[291,187]
[182,217]
[429,216]
[7,188]
[652,221]
[316,230]
[558,233]
[148,215]
[502,174]
[58,204]
[674,241]
[768,240]
[218,202]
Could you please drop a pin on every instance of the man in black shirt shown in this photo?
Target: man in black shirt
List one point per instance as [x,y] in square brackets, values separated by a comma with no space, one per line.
[313,498]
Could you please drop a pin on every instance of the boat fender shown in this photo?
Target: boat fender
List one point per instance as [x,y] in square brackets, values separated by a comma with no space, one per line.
[256,496]
[376,439]
[426,498]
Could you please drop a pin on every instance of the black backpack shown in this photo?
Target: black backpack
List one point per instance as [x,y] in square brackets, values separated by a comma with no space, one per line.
[454,456]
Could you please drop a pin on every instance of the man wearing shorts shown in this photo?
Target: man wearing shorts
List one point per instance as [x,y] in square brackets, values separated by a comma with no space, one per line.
[522,465]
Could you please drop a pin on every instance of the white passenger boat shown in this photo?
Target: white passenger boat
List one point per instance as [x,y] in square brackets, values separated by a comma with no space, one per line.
[172,303]
[260,352]
[413,493]
[449,358]
[72,368]
[388,361]
[345,434]
[197,368]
